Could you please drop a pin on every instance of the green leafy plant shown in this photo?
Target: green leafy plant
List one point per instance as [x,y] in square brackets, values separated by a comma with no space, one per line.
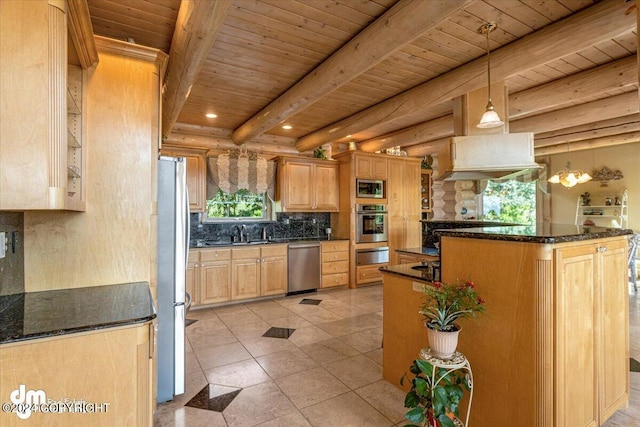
[433,400]
[320,153]
[445,303]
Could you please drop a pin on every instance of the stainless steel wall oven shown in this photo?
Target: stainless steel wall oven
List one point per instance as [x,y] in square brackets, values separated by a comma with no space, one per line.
[371,223]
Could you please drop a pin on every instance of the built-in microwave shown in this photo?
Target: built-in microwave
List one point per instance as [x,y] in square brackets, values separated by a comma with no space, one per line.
[370,188]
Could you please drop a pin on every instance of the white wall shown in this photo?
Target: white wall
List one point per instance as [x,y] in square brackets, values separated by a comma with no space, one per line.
[625,157]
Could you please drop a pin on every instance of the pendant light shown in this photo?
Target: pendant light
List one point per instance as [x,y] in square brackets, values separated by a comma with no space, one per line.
[569,177]
[490,118]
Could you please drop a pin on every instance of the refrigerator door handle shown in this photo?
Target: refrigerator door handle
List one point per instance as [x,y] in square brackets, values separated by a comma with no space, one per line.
[179,366]
[187,225]
[188,301]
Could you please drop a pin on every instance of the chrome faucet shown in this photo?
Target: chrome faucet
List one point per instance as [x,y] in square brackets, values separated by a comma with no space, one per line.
[243,234]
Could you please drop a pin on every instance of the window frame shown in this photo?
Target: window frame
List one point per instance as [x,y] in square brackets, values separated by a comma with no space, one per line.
[267,209]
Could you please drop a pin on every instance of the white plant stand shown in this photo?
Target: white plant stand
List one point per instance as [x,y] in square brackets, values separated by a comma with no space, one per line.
[457,362]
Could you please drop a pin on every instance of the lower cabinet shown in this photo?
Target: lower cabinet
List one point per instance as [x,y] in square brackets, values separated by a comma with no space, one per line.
[369,273]
[236,273]
[245,273]
[215,276]
[335,263]
[258,271]
[592,327]
[273,270]
[110,368]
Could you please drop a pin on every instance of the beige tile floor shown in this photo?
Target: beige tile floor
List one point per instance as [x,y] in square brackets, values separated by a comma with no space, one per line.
[328,373]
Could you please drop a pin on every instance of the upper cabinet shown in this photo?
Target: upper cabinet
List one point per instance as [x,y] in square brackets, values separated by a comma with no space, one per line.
[307,185]
[196,176]
[370,166]
[42,119]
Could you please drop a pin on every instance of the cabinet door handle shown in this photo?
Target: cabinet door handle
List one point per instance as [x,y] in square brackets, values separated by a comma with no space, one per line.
[601,249]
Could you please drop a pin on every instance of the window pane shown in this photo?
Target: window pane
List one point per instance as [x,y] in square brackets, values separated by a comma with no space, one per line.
[510,201]
[241,204]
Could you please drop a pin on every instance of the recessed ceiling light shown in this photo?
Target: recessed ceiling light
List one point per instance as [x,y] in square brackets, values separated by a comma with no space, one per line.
[287,127]
[211,115]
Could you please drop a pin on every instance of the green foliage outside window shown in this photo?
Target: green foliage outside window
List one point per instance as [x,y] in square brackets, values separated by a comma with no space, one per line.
[510,201]
[241,204]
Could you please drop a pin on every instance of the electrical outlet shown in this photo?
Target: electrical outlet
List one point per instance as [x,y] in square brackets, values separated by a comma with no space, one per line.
[3,244]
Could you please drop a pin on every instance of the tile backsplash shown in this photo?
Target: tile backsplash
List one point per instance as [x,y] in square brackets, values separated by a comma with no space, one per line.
[12,265]
[286,226]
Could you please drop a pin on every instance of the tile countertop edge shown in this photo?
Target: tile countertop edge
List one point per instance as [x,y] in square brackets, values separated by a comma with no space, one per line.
[55,313]
[556,233]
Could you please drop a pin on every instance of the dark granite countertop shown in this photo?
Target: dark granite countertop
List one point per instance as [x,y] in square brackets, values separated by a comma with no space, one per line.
[44,314]
[217,244]
[407,271]
[420,251]
[550,233]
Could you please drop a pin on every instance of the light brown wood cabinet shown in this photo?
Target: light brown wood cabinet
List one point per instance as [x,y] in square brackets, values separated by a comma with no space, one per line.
[307,185]
[273,270]
[403,205]
[557,322]
[258,271]
[191,279]
[369,273]
[42,120]
[591,332]
[196,176]
[215,276]
[370,166]
[112,366]
[235,273]
[335,263]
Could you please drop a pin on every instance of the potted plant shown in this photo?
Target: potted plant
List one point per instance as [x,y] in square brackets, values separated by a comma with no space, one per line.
[433,400]
[444,304]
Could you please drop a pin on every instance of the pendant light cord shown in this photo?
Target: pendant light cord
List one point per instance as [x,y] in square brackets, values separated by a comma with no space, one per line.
[488,68]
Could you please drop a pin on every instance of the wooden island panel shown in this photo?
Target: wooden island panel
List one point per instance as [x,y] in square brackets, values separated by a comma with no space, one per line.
[552,349]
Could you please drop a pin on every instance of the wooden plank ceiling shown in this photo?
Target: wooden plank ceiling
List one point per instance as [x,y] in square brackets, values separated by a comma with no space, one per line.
[384,72]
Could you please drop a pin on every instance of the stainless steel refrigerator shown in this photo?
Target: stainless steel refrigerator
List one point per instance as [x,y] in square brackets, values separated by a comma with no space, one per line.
[173,247]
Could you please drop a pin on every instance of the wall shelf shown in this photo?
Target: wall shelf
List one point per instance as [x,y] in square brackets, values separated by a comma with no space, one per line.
[605,210]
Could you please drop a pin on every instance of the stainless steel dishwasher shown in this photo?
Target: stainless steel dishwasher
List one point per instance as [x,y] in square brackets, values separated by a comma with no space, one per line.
[304,267]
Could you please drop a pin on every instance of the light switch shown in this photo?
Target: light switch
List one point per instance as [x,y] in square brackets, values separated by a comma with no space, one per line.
[3,244]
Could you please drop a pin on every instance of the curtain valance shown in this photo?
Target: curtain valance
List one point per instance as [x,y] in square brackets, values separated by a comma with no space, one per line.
[231,174]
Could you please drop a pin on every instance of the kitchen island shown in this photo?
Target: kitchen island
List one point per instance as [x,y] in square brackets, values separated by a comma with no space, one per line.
[552,349]
[89,350]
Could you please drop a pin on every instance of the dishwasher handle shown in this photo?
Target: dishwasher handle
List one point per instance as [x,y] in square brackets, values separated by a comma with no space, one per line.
[304,245]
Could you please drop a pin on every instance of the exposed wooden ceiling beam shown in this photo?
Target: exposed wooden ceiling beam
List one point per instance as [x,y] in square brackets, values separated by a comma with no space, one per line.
[569,35]
[602,132]
[191,129]
[622,120]
[183,140]
[437,128]
[404,22]
[81,32]
[602,109]
[587,144]
[534,99]
[615,74]
[429,147]
[197,27]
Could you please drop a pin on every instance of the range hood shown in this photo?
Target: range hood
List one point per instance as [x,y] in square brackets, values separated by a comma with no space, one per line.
[493,156]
